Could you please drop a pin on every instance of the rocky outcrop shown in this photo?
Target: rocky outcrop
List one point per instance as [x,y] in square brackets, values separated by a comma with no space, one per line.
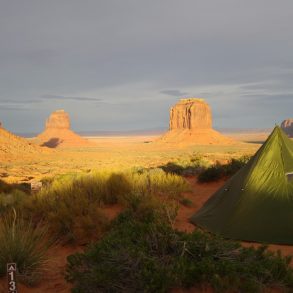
[190,114]
[15,146]
[58,134]
[191,123]
[287,126]
[58,120]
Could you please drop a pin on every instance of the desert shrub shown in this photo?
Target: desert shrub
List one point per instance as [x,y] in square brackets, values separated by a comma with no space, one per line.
[219,171]
[25,244]
[14,199]
[151,208]
[156,181]
[5,187]
[149,256]
[74,217]
[213,173]
[73,204]
[235,165]
[186,167]
[10,187]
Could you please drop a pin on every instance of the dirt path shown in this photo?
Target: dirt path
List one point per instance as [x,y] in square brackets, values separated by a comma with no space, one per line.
[198,196]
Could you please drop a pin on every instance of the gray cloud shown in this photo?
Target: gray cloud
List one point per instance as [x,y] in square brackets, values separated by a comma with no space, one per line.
[59,97]
[19,102]
[268,97]
[175,93]
[12,108]
[131,53]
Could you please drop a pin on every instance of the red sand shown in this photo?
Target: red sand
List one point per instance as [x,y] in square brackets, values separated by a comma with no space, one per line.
[196,137]
[53,138]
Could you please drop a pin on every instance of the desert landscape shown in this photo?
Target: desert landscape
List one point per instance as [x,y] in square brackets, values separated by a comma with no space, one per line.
[146,146]
[182,168]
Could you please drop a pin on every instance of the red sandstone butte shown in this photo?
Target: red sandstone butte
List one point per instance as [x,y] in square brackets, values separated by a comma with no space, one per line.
[58,133]
[191,123]
[287,126]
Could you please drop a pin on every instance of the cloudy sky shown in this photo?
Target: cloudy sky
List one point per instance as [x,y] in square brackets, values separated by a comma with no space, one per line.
[120,65]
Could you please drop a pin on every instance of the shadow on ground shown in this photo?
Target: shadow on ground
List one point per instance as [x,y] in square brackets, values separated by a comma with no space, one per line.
[52,142]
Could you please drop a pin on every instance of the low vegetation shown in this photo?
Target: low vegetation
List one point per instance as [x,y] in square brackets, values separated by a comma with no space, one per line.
[73,204]
[6,187]
[190,166]
[25,243]
[196,165]
[140,251]
[219,171]
[145,254]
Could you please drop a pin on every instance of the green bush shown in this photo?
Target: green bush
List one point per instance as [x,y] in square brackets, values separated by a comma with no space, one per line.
[149,256]
[213,173]
[25,244]
[219,171]
[72,204]
[186,167]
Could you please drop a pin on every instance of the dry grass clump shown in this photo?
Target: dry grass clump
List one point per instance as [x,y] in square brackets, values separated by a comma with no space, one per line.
[26,244]
[72,204]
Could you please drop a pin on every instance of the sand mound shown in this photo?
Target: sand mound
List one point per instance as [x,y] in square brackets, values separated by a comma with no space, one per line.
[191,123]
[196,136]
[13,145]
[58,134]
[287,126]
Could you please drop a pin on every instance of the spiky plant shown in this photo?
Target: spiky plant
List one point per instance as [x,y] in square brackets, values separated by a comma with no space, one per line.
[26,244]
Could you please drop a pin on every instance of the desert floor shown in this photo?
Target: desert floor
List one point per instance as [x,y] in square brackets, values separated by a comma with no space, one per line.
[122,153]
[118,152]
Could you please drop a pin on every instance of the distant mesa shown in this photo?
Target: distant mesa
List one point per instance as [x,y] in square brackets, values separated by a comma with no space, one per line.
[191,122]
[287,126]
[58,120]
[190,113]
[58,133]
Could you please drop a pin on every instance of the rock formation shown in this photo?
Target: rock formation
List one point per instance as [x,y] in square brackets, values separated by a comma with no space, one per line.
[191,123]
[57,132]
[287,126]
[190,114]
[12,145]
[58,120]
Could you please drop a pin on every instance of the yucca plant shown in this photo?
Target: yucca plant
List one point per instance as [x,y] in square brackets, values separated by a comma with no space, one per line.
[26,244]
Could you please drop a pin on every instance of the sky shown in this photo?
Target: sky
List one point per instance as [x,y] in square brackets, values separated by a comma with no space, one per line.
[120,65]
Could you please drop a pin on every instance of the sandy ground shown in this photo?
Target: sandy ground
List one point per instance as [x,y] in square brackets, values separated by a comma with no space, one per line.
[112,153]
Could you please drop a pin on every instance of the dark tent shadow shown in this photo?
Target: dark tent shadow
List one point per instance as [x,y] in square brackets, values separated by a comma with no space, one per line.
[52,142]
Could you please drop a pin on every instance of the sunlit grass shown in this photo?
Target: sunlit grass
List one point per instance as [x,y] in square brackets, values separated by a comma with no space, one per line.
[26,244]
[73,204]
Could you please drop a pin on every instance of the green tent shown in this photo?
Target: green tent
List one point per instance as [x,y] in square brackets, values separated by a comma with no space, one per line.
[256,204]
